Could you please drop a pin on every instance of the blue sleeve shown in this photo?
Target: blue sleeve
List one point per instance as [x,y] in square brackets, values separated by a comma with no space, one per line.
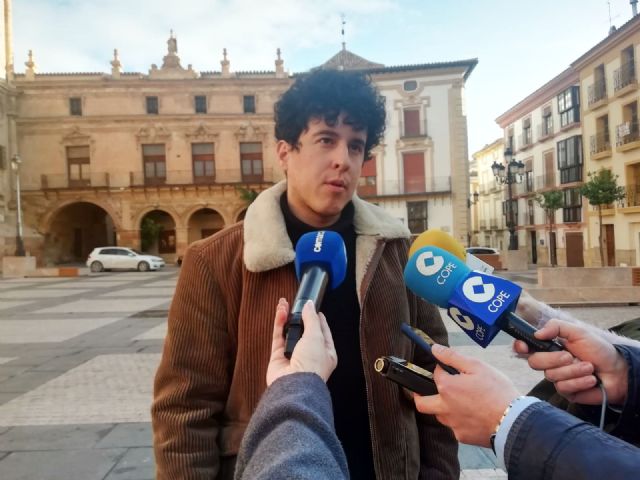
[291,434]
[628,425]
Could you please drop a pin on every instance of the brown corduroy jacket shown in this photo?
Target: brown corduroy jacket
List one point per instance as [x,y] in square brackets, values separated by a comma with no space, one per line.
[218,345]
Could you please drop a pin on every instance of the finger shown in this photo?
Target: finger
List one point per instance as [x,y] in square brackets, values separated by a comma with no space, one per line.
[573,371]
[282,310]
[431,404]
[550,360]
[452,358]
[310,319]
[575,386]
[558,328]
[521,347]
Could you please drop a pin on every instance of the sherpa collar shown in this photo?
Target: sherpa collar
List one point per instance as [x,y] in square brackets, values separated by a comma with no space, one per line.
[267,245]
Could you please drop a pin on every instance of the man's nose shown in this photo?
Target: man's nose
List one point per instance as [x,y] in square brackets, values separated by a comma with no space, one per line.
[340,157]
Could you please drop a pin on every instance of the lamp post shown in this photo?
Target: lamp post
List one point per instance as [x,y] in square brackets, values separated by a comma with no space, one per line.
[15,166]
[512,173]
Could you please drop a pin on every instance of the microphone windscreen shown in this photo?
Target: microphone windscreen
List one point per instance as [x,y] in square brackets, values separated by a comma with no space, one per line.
[433,273]
[440,239]
[324,249]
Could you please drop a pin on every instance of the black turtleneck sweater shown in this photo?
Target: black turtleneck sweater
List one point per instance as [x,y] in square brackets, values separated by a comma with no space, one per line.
[346,384]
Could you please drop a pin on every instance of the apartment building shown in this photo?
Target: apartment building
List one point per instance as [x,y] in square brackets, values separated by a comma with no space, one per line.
[611,139]
[486,198]
[543,132]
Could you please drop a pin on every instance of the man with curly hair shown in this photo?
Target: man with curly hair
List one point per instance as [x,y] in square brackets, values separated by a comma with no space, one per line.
[217,349]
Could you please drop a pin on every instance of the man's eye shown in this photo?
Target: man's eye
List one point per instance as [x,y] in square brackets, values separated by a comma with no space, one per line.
[326,140]
[357,148]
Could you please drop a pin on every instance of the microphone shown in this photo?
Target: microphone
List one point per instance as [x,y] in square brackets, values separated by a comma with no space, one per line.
[321,261]
[479,303]
[443,240]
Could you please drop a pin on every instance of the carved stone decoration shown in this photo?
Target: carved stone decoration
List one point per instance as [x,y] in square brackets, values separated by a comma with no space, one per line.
[249,132]
[153,134]
[30,72]
[76,137]
[171,67]
[116,66]
[202,133]
[279,65]
[225,64]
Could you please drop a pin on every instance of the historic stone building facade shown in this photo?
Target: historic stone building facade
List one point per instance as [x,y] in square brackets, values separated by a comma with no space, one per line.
[160,159]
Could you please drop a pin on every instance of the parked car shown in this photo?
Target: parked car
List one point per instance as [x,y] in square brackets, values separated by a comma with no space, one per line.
[482,251]
[121,258]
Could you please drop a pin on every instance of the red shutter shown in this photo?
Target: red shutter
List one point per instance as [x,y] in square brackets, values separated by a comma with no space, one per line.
[369,168]
[411,123]
[413,164]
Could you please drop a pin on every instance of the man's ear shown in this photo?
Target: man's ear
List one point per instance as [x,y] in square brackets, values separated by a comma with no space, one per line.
[283,150]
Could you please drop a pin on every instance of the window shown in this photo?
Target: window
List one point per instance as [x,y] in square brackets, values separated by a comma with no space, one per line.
[601,142]
[570,159]
[367,180]
[627,131]
[510,211]
[572,210]
[597,91]
[510,142]
[528,175]
[155,170]
[410,85]
[413,165]
[201,104]
[547,122]
[75,106]
[78,166]
[527,137]
[249,104]
[530,213]
[251,161]
[411,122]
[417,217]
[626,74]
[569,106]
[202,155]
[152,105]
[549,179]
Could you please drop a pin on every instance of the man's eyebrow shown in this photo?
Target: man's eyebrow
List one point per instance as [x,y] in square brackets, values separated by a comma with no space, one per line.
[325,131]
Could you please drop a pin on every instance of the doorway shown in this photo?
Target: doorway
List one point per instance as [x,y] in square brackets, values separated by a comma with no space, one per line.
[575,249]
[609,245]
[534,247]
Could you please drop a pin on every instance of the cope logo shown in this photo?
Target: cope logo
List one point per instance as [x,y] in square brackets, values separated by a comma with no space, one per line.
[317,246]
[429,264]
[461,319]
[477,291]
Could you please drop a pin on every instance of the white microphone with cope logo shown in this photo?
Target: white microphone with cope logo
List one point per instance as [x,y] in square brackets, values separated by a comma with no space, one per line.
[479,303]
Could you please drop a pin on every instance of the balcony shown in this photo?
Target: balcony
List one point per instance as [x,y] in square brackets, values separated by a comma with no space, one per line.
[632,198]
[572,214]
[597,94]
[600,145]
[624,79]
[121,180]
[545,182]
[415,186]
[545,131]
[627,136]
[483,224]
[526,139]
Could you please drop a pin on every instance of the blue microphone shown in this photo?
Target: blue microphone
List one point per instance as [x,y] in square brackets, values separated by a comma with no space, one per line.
[321,261]
[479,303]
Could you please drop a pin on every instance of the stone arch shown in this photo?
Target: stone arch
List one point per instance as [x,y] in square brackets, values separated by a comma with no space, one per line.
[74,228]
[241,214]
[44,225]
[203,222]
[177,220]
[165,242]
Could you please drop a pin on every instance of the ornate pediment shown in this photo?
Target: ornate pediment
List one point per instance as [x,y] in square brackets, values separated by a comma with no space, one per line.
[171,67]
[153,133]
[76,137]
[203,133]
[249,131]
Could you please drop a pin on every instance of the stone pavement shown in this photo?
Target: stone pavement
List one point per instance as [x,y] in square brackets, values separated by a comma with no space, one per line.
[77,359]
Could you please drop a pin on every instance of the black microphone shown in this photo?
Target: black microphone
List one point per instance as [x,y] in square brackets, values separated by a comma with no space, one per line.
[321,261]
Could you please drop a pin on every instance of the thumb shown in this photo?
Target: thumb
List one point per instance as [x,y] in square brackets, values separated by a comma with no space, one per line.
[452,358]
[557,328]
[310,317]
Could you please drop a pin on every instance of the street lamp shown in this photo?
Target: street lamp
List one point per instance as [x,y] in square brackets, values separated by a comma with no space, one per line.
[512,173]
[473,199]
[15,166]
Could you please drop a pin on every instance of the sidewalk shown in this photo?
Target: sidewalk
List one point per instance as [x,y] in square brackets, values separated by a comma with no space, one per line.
[77,359]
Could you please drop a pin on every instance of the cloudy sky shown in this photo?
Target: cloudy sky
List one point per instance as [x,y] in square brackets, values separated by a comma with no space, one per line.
[520,45]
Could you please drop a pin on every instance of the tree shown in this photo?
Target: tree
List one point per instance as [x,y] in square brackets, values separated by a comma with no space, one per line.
[149,233]
[248,195]
[601,190]
[550,201]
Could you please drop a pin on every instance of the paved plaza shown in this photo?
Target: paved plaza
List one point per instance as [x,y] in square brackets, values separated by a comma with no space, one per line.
[77,359]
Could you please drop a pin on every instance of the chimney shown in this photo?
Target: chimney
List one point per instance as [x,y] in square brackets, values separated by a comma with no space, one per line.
[634,7]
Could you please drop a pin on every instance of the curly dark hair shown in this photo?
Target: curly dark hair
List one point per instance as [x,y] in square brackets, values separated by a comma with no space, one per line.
[326,94]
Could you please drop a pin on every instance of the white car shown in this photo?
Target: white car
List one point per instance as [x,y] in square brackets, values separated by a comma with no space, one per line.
[107,258]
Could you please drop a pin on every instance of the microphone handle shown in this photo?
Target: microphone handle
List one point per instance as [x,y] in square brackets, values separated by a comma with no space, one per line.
[312,287]
[520,329]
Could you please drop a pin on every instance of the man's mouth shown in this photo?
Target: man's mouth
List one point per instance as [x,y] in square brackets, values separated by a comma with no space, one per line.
[337,183]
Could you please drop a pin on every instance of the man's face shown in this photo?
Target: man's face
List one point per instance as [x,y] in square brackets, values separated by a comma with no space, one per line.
[323,171]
